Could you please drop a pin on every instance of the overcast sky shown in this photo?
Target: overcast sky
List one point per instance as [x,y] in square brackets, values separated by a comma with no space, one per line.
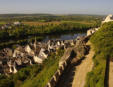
[57,6]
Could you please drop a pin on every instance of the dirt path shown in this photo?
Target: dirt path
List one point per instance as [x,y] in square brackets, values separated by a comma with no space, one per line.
[75,74]
[111,74]
[82,70]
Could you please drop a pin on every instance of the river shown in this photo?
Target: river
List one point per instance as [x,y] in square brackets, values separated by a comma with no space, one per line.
[68,36]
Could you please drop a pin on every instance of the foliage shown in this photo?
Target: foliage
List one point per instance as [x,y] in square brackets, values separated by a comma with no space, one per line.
[23,31]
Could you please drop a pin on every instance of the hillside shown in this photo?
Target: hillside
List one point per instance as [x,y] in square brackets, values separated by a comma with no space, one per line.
[102,41]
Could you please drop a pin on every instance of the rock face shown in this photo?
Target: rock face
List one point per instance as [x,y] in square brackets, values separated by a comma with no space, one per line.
[108,18]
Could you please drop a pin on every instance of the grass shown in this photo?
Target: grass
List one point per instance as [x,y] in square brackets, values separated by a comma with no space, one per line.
[102,41]
[1,23]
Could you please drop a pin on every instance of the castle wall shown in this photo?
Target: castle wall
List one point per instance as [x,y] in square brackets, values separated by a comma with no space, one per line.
[58,73]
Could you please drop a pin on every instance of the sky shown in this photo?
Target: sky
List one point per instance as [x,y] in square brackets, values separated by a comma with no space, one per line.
[57,6]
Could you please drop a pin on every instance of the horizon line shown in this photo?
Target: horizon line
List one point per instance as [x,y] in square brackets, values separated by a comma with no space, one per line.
[53,14]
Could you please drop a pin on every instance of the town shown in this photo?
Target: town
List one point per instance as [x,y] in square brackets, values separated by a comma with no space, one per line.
[10,25]
[11,60]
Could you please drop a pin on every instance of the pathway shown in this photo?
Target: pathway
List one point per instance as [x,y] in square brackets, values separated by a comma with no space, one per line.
[82,70]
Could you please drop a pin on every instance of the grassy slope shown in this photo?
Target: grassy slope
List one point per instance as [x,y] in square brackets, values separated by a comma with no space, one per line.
[102,40]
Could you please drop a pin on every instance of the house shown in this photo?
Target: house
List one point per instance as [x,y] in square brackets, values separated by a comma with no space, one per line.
[12,66]
[29,50]
[37,59]
[8,51]
[17,23]
[42,54]
[18,52]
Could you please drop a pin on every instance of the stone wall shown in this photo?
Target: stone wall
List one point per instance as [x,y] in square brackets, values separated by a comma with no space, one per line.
[91,31]
[53,81]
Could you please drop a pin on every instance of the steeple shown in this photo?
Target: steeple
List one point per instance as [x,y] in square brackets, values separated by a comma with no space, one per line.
[35,43]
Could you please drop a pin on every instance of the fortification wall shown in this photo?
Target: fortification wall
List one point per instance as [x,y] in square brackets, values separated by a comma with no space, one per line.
[58,73]
[92,31]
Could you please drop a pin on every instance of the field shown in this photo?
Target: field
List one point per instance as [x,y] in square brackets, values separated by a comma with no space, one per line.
[32,23]
[2,23]
[42,23]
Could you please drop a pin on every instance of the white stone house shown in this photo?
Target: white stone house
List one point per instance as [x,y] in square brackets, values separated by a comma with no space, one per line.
[37,59]
[29,50]
[17,23]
